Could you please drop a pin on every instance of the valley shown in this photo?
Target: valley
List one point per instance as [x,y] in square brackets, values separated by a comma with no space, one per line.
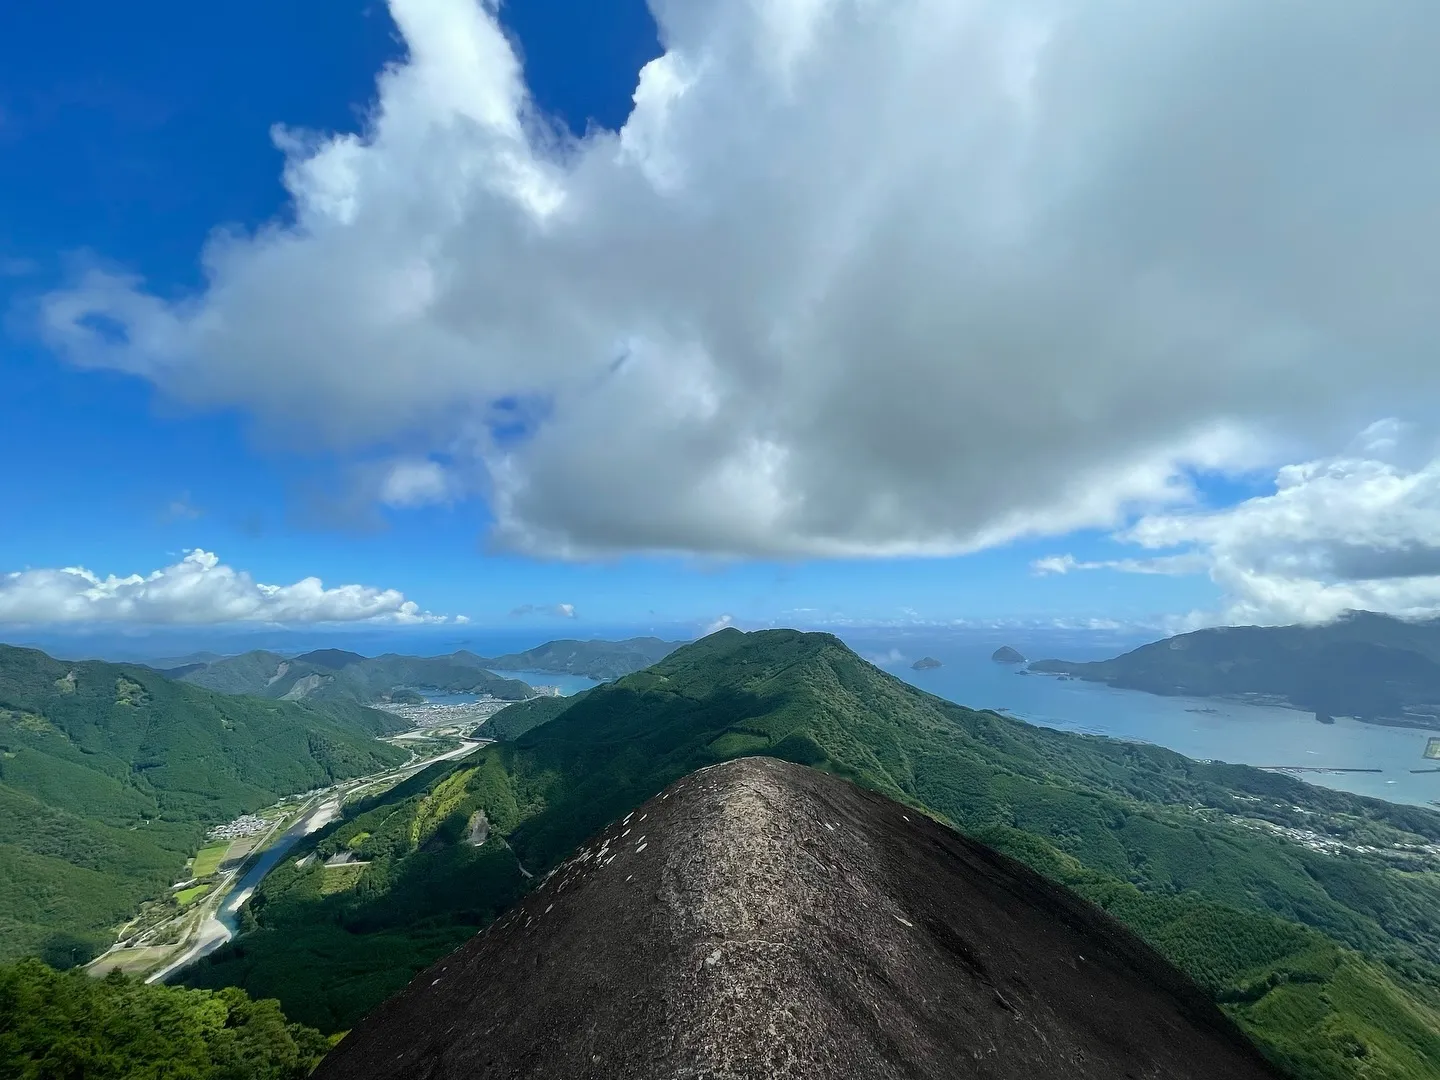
[111,776]
[159,942]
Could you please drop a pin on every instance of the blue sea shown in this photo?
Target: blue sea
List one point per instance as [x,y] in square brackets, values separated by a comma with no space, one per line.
[568,684]
[1244,734]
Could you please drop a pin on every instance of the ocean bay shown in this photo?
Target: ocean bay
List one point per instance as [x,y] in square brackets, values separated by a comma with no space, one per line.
[1202,728]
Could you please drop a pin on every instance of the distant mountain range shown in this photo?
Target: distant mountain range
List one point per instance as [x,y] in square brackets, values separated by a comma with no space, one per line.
[600,660]
[338,675]
[1371,667]
[110,774]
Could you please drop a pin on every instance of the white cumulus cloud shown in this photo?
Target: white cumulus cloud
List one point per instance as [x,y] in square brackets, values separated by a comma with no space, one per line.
[199,589]
[1359,530]
[855,278]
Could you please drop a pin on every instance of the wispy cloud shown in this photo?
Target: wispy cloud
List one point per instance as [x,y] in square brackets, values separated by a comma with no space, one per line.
[181,509]
[1170,565]
[409,483]
[717,624]
[893,658]
[564,611]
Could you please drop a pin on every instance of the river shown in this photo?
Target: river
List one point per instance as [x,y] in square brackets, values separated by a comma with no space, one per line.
[223,924]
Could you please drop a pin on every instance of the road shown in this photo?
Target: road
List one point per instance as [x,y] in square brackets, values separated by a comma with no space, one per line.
[219,917]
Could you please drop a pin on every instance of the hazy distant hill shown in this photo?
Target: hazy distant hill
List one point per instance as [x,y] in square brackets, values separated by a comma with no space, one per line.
[109,774]
[1260,887]
[195,659]
[593,659]
[1372,667]
[337,675]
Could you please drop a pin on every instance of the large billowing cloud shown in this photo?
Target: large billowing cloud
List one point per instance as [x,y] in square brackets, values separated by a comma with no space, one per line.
[197,590]
[856,277]
[1360,530]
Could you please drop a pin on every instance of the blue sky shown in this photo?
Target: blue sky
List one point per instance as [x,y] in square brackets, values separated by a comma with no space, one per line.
[127,138]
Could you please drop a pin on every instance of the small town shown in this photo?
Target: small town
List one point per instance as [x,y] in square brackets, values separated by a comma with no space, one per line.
[431,714]
[244,825]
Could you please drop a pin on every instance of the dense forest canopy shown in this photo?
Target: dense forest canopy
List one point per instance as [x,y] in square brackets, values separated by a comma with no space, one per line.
[69,1025]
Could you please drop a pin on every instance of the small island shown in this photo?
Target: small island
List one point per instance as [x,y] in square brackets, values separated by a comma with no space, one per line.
[926,663]
[1006,655]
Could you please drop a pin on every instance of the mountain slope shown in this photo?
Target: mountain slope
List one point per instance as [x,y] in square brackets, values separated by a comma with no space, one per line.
[1364,665]
[337,675]
[514,720]
[761,918]
[600,660]
[109,775]
[1258,886]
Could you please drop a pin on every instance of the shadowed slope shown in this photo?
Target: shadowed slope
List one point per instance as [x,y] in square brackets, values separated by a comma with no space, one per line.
[763,919]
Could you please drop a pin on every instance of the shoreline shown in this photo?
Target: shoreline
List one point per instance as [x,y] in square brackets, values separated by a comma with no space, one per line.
[1267,701]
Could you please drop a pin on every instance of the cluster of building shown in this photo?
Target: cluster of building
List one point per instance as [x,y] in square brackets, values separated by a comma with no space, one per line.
[438,715]
[244,825]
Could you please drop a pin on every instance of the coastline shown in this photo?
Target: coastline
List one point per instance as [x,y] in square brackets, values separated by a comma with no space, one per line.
[1271,701]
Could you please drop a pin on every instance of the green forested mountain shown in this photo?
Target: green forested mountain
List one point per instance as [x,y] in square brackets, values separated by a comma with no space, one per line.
[336,675]
[110,774]
[55,1025]
[1372,667]
[592,659]
[1309,913]
[514,720]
